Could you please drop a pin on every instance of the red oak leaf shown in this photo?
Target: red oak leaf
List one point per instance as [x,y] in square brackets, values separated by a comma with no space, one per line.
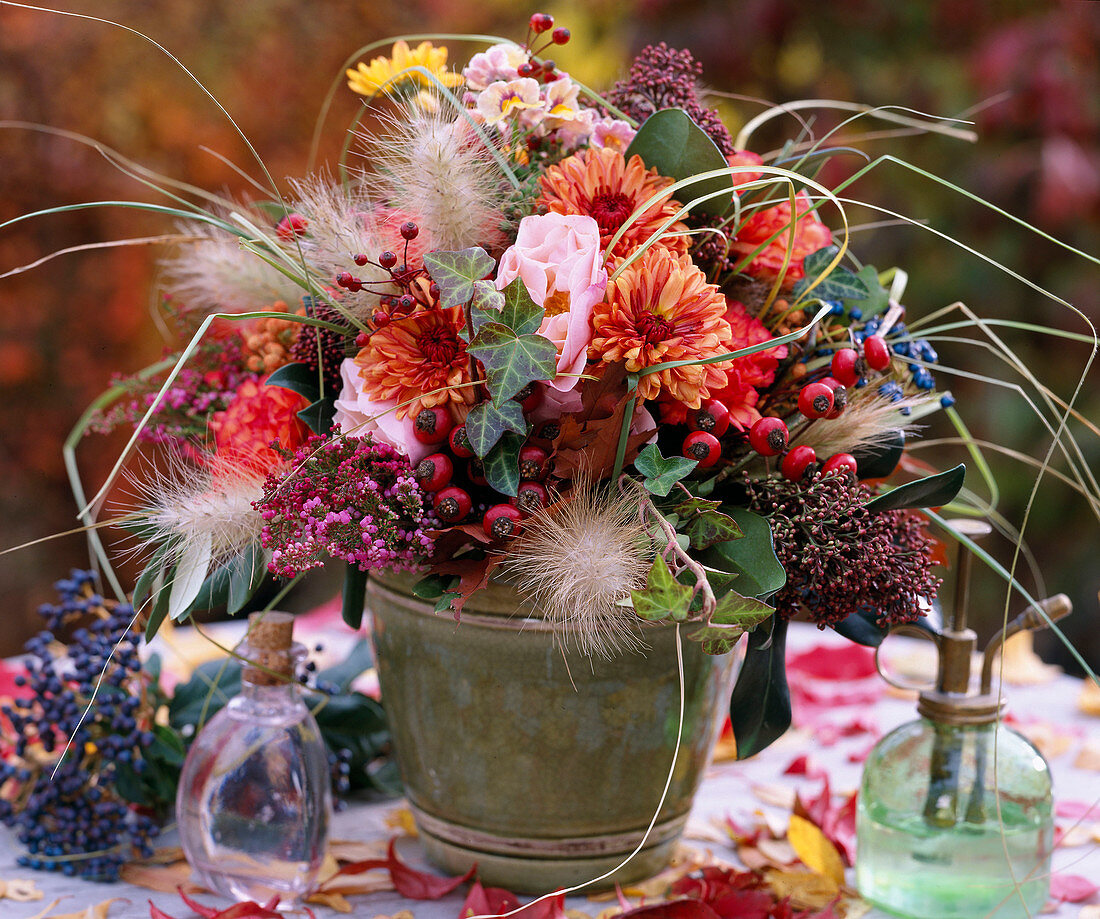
[496,901]
[416,885]
[677,909]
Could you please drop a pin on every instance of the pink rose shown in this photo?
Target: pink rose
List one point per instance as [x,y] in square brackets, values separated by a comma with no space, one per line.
[558,258]
[357,414]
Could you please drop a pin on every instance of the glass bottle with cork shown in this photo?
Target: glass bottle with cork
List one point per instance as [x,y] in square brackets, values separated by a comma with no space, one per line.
[254,798]
[955,816]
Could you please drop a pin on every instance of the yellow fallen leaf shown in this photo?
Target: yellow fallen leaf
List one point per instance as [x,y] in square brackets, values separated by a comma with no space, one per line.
[1080,835]
[1088,757]
[725,750]
[21,890]
[329,868]
[1021,665]
[815,849]
[165,855]
[401,818]
[774,794]
[162,878]
[99,911]
[778,852]
[806,889]
[577,914]
[350,885]
[1089,699]
[334,901]
[351,850]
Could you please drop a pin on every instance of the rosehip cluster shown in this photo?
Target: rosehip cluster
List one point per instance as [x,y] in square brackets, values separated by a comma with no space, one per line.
[454,478]
[544,70]
[769,437]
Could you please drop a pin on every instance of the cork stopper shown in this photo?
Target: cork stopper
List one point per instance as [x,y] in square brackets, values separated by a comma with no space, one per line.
[268,648]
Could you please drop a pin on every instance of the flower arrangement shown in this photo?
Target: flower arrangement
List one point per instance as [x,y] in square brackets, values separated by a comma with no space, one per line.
[592,345]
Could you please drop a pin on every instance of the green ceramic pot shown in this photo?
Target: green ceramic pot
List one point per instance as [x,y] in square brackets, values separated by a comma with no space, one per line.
[545,769]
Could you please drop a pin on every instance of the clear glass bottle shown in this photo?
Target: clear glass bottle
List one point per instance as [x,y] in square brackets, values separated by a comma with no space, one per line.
[254,798]
[955,816]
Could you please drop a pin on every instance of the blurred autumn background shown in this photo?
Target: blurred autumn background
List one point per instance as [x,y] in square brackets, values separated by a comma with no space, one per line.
[1025,71]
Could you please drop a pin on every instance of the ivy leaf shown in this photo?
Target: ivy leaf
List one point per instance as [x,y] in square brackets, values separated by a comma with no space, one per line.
[694,505]
[932,491]
[512,361]
[487,423]
[520,313]
[733,616]
[840,284]
[708,527]
[486,306]
[661,473]
[752,557]
[456,272]
[299,378]
[878,297]
[670,142]
[760,705]
[663,596]
[501,465]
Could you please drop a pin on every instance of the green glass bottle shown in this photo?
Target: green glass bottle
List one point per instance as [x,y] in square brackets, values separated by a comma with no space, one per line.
[955,817]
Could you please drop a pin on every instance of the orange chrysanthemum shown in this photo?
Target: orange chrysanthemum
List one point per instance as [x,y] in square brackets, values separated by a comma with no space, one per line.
[257,416]
[601,184]
[810,234]
[662,309]
[412,356]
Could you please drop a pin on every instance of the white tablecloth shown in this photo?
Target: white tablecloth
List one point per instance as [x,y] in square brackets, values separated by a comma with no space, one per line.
[727,790]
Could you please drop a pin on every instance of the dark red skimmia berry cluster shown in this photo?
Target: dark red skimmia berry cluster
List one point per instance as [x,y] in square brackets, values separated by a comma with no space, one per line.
[839,557]
[454,477]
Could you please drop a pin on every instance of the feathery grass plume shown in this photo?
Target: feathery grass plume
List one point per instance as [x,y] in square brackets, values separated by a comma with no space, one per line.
[429,163]
[577,559]
[212,273]
[868,422]
[187,506]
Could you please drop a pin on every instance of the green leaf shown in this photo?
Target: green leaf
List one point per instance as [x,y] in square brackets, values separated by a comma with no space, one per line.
[661,473]
[355,594]
[318,416]
[432,586]
[443,604]
[520,313]
[733,616]
[694,505]
[878,297]
[211,686]
[153,568]
[670,142]
[881,459]
[485,307]
[663,596]
[190,574]
[839,284]
[752,557]
[501,465]
[359,659]
[298,378]
[456,272]
[760,705]
[214,590]
[709,527]
[512,361]
[159,611]
[486,424]
[932,491]
[246,573]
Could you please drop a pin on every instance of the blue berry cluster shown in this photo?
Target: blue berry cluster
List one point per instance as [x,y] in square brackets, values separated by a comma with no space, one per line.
[84,732]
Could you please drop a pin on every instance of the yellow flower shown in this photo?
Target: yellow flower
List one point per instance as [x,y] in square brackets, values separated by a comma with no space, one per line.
[386,74]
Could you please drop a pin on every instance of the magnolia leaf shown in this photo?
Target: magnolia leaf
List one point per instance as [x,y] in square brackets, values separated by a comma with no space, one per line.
[512,361]
[190,574]
[670,142]
[661,473]
[932,491]
[159,612]
[520,313]
[354,596]
[752,557]
[709,527]
[486,424]
[663,596]
[246,573]
[299,378]
[760,705]
[881,459]
[319,415]
[456,272]
[153,567]
[501,465]
[815,849]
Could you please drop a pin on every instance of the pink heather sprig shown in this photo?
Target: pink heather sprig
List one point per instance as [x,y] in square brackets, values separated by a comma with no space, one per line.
[347,498]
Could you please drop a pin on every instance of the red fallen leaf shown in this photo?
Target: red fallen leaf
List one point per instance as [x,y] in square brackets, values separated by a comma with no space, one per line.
[844,662]
[676,909]
[732,894]
[838,823]
[155,912]
[1075,810]
[496,901]
[1071,888]
[416,885]
[742,835]
[246,910]
[858,756]
[207,912]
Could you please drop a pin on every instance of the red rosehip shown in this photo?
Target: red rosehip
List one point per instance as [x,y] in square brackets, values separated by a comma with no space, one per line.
[452,504]
[703,447]
[502,521]
[815,400]
[525,69]
[840,398]
[532,463]
[290,226]
[541,22]
[560,36]
[409,230]
[387,259]
[460,442]
[475,472]
[432,425]
[713,417]
[344,278]
[530,397]
[363,339]
[530,498]
[360,259]
[434,472]
[547,432]
[876,352]
[378,318]
[796,461]
[548,66]
[845,366]
[838,462]
[769,436]
[406,302]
